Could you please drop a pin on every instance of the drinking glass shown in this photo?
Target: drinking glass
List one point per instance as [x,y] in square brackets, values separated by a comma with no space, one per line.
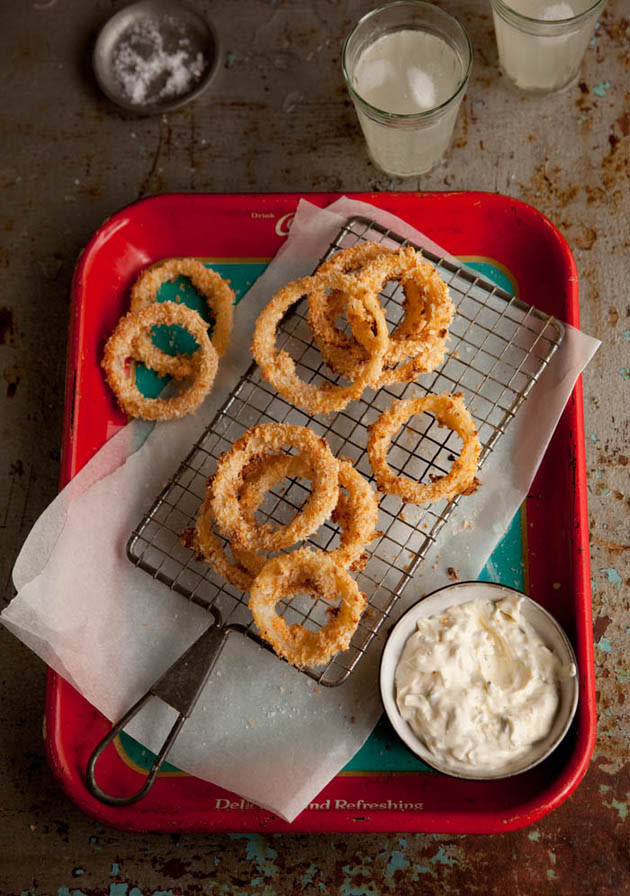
[406,66]
[541,42]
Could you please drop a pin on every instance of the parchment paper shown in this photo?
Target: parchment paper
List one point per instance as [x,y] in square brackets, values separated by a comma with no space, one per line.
[261,728]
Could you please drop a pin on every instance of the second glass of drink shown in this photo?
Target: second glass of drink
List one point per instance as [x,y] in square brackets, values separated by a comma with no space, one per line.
[541,42]
[406,67]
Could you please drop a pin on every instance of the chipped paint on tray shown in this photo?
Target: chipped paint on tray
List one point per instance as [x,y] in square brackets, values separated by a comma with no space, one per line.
[258,851]
[601,88]
[307,877]
[613,576]
[397,862]
[621,806]
[444,857]
[350,886]
[350,889]
[119,889]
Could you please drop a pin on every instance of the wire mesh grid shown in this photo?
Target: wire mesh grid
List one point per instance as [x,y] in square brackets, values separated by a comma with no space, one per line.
[498,348]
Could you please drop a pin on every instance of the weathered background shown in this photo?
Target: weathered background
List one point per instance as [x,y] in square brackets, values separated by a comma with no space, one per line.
[277,118]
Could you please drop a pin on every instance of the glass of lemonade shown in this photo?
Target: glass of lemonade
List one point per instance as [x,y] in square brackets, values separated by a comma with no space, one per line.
[406,67]
[541,42]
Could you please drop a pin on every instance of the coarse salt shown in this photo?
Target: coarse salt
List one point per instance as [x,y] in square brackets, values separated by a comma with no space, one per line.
[148,71]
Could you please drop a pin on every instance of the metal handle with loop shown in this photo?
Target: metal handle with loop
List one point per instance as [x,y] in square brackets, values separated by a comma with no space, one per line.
[179,687]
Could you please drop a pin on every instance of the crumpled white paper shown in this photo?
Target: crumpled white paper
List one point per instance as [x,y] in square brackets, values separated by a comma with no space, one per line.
[261,728]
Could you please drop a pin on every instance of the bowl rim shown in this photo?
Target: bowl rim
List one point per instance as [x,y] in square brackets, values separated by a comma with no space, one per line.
[388,665]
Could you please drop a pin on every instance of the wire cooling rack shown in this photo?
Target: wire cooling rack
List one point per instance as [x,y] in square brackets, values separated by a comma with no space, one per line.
[498,348]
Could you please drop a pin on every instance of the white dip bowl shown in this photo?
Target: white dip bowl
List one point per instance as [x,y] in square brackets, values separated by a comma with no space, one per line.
[547,629]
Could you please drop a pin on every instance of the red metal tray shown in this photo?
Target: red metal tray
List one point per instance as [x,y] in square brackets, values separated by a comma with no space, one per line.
[513,237]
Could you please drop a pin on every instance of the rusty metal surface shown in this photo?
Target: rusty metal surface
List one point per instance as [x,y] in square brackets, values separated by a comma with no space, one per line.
[277,118]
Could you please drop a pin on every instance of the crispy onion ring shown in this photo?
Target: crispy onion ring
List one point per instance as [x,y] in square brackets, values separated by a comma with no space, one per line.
[424,362]
[324,308]
[269,438]
[278,368]
[356,511]
[428,307]
[306,571]
[260,475]
[121,346]
[207,542]
[449,410]
[420,336]
[218,295]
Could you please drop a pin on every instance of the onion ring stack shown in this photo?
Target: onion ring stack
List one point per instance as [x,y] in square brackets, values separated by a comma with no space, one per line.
[253,466]
[356,511]
[199,372]
[131,340]
[370,356]
[279,368]
[264,439]
[216,291]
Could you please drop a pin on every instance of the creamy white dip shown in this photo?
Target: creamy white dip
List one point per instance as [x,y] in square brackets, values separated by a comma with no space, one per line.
[478,686]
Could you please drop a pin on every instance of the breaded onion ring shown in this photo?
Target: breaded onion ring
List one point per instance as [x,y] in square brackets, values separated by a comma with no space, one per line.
[278,368]
[419,337]
[121,346]
[449,410]
[269,438]
[428,307]
[312,572]
[356,511]
[207,542]
[218,295]
[324,308]
[260,475]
